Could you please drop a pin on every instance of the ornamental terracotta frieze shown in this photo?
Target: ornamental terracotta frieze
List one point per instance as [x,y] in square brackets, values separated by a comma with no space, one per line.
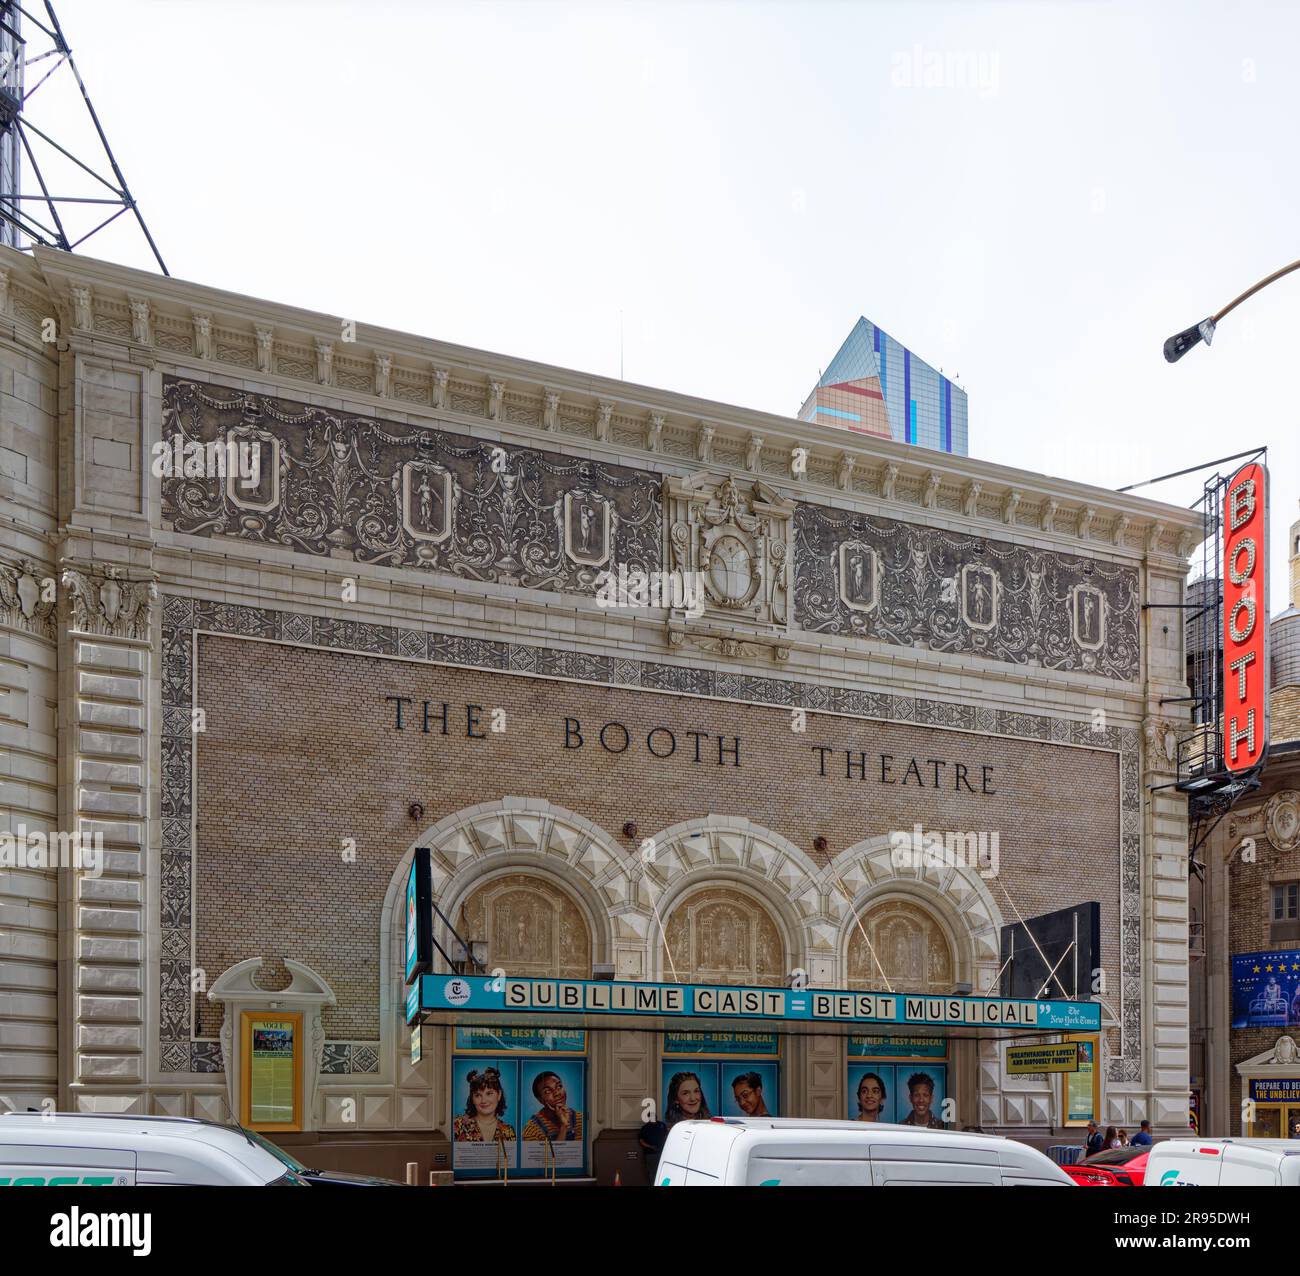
[864,576]
[352,487]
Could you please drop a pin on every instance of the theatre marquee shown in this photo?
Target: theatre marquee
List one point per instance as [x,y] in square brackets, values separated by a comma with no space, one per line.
[596,999]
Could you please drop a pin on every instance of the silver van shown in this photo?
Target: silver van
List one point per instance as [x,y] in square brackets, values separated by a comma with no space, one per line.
[788,1152]
[86,1150]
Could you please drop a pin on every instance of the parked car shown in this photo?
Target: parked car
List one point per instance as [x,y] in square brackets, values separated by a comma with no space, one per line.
[1224,1163]
[788,1152]
[1113,1167]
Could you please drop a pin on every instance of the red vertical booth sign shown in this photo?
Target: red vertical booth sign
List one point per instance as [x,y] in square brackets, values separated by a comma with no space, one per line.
[1245,618]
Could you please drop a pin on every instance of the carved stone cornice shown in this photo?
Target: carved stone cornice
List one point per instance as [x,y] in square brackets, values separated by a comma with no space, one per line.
[94,296]
[704,444]
[324,360]
[141,321]
[265,340]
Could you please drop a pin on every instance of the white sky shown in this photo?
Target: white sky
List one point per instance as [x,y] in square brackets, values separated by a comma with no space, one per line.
[741,182]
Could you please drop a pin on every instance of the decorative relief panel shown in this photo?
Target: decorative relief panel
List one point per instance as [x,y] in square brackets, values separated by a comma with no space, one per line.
[723,936]
[734,539]
[103,601]
[532,928]
[899,945]
[356,488]
[28,598]
[869,577]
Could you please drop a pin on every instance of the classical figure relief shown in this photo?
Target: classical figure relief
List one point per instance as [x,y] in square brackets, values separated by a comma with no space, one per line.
[899,945]
[427,496]
[261,494]
[531,927]
[106,602]
[589,521]
[380,492]
[859,576]
[952,591]
[720,935]
[979,596]
[1088,617]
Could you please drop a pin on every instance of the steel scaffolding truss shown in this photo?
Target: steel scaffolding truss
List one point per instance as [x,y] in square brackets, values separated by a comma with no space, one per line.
[44,218]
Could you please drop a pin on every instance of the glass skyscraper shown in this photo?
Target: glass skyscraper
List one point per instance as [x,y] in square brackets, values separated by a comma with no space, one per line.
[874,385]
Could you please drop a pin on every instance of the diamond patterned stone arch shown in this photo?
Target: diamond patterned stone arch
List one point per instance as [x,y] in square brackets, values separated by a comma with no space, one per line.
[954,906]
[581,876]
[704,876]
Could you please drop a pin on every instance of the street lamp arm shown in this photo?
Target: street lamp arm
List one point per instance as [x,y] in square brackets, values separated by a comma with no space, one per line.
[1250,292]
[1181,342]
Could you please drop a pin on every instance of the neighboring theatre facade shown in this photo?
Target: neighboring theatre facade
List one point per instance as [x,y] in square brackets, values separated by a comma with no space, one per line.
[265,694]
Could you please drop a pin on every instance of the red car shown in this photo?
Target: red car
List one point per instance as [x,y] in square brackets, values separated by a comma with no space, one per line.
[1115,1167]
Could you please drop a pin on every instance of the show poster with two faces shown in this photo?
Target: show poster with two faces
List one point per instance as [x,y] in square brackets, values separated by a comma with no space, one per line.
[522,1111]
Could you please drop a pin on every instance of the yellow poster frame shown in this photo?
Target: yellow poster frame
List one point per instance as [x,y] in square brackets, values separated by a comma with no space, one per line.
[246,1020]
[1095,1038]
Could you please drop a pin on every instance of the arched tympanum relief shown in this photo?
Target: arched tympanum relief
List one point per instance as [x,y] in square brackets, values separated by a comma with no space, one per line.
[723,936]
[899,945]
[531,927]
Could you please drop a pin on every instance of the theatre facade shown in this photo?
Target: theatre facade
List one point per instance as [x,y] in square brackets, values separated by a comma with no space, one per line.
[493,757]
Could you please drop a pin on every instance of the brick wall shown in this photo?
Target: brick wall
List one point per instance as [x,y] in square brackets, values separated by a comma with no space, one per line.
[300,752]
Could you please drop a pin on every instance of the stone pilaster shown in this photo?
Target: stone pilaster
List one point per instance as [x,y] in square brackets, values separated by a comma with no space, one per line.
[1165,958]
[104,676]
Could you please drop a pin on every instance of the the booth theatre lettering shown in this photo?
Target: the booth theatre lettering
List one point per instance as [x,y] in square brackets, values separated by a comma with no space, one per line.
[698,748]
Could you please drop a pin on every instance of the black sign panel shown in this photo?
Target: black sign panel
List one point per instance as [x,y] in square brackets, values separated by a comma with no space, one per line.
[1055,955]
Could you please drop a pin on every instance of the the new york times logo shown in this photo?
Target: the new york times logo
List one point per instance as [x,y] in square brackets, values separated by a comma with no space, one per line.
[97,1230]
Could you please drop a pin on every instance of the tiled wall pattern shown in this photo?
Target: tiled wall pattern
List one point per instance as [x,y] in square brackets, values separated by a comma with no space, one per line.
[335,700]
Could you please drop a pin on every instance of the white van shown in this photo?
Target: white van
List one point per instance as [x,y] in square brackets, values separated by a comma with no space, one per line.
[787,1152]
[85,1150]
[1224,1163]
